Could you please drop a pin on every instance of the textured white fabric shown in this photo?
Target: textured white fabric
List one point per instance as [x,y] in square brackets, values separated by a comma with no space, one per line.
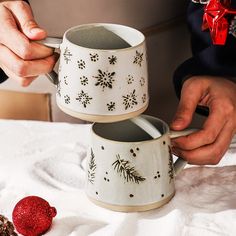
[47,159]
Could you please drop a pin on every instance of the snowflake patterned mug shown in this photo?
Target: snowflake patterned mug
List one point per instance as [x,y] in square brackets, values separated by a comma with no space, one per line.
[130,166]
[102,72]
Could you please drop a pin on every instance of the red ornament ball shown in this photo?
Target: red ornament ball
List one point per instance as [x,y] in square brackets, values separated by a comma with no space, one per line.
[32,216]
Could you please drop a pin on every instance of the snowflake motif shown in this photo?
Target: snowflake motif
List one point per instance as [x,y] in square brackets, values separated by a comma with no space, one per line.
[65,80]
[84,80]
[112,60]
[81,64]
[142,81]
[67,55]
[138,59]
[84,98]
[130,79]
[144,97]
[59,88]
[130,100]
[111,106]
[232,27]
[104,79]
[67,99]
[94,57]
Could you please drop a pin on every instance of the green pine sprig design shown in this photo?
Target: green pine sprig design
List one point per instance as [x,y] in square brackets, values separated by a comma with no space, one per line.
[170,164]
[92,167]
[127,171]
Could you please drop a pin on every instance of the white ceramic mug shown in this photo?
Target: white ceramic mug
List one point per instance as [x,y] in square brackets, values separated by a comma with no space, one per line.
[130,165]
[103,73]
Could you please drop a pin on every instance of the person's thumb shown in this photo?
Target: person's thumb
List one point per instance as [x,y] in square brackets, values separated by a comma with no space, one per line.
[182,118]
[33,31]
[187,106]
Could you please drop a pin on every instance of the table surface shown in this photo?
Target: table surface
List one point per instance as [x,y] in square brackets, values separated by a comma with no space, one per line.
[47,160]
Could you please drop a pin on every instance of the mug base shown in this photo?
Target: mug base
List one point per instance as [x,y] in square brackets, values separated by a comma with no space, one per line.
[136,208]
[102,118]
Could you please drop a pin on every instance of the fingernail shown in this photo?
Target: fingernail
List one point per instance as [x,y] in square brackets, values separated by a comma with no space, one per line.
[177,122]
[36,30]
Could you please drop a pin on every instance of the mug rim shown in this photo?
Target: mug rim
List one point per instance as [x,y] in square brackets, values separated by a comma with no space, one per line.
[166,126]
[65,37]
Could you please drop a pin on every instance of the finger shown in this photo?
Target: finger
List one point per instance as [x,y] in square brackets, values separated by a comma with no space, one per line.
[209,154]
[190,96]
[25,20]
[23,81]
[23,68]
[207,135]
[11,37]
[41,66]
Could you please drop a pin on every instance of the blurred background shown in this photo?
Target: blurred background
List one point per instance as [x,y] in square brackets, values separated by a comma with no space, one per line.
[163,23]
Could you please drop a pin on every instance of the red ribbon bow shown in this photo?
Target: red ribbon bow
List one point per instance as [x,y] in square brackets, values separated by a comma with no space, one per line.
[215,19]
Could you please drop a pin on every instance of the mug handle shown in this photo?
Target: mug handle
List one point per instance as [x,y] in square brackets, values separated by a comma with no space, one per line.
[180,163]
[52,42]
[154,133]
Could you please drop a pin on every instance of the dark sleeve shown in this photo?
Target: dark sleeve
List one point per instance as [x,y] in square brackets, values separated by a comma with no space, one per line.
[207,59]
[3,76]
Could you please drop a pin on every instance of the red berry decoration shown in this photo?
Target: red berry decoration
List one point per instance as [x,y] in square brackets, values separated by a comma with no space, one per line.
[32,216]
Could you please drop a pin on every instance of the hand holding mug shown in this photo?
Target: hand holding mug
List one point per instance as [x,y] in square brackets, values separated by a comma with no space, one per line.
[210,143]
[21,57]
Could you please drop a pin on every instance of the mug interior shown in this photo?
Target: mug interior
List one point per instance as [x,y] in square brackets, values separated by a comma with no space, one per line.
[127,131]
[104,36]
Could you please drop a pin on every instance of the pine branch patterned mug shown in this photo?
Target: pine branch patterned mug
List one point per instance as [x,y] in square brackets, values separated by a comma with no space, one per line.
[130,166]
[103,73]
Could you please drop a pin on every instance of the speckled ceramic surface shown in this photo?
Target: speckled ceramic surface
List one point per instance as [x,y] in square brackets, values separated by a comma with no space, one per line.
[127,169]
